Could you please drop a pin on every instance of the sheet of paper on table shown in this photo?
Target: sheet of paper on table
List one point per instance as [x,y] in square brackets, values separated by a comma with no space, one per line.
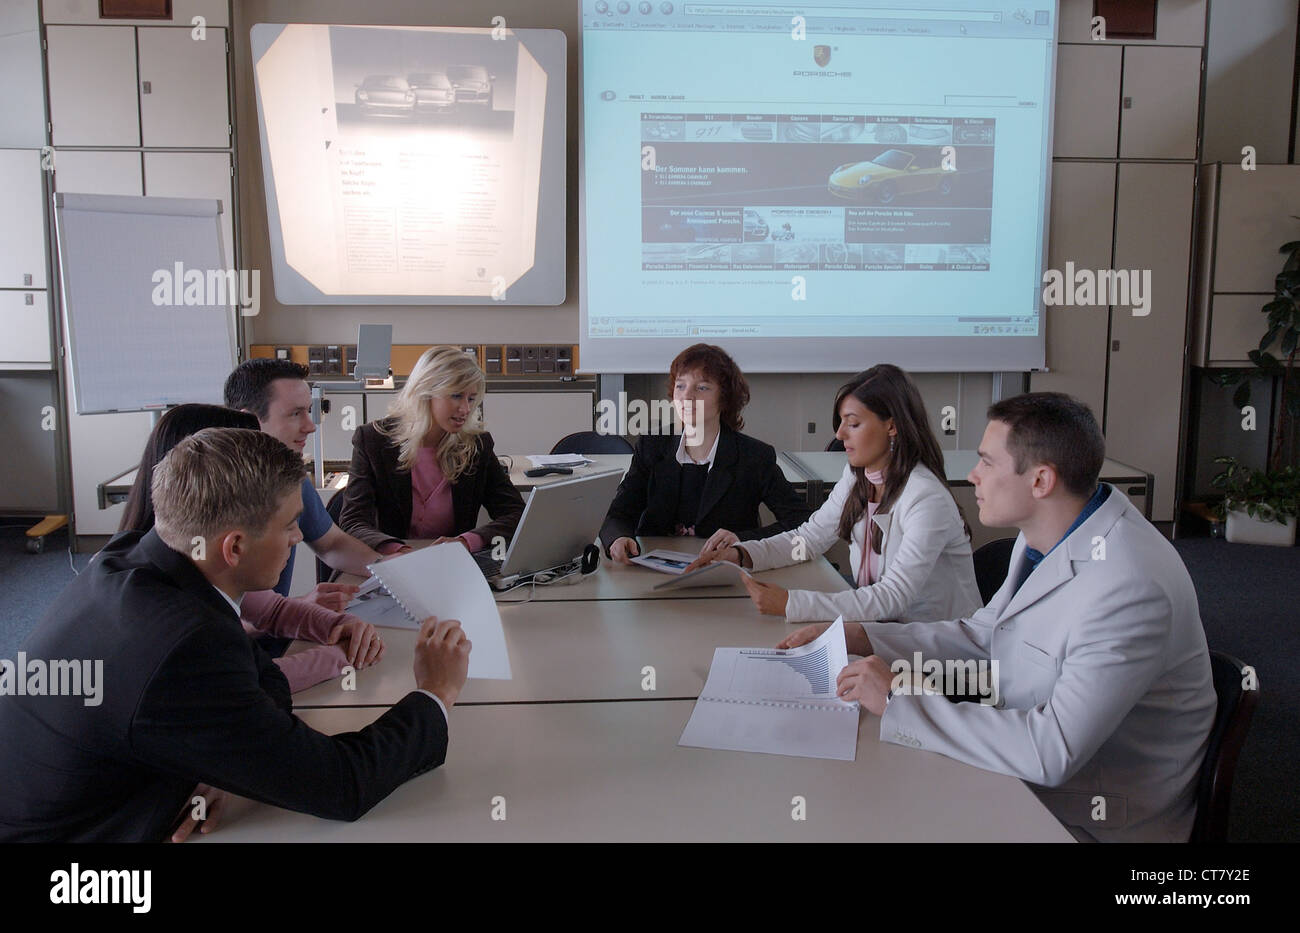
[665,561]
[778,702]
[558,460]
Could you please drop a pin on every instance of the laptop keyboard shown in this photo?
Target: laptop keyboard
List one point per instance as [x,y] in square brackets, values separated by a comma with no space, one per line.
[491,568]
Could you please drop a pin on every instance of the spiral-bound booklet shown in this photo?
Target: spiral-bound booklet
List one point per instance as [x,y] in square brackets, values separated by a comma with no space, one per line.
[777,701]
[441,581]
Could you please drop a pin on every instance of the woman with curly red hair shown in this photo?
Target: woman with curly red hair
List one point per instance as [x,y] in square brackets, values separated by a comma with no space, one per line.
[711,477]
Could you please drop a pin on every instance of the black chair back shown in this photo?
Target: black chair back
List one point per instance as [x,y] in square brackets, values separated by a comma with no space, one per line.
[1231,723]
[835,444]
[992,561]
[590,442]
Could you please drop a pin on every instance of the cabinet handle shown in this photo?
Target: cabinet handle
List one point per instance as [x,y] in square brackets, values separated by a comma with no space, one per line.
[1128,103]
[1114,346]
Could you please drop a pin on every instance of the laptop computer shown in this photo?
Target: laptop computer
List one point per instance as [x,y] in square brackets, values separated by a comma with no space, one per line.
[559,521]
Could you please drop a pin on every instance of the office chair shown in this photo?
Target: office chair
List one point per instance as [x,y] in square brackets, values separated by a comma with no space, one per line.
[835,444]
[590,442]
[1231,723]
[992,561]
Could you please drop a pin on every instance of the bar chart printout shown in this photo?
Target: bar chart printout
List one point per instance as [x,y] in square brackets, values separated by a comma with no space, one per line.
[779,702]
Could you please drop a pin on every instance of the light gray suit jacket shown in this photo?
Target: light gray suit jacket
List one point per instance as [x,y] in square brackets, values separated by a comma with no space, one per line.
[1104,677]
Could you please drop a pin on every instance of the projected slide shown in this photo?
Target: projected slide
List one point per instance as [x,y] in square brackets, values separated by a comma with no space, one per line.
[409,163]
[782,180]
[816,187]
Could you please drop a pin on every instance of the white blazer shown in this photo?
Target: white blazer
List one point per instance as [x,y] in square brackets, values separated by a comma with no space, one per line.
[1104,676]
[926,571]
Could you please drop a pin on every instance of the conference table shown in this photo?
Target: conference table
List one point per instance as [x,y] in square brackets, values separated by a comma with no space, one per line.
[581,743]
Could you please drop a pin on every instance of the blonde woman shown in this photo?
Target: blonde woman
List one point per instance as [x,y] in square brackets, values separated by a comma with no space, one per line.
[426,470]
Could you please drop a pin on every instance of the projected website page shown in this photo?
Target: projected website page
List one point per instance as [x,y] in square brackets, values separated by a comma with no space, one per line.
[883,176]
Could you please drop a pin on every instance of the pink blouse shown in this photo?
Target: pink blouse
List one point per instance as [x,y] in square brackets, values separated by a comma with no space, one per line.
[267,612]
[869,572]
[432,512]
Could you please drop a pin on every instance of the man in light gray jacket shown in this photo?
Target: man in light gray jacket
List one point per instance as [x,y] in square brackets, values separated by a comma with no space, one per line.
[1104,699]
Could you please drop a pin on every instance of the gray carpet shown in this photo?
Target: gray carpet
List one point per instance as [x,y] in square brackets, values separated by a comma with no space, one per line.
[1250,604]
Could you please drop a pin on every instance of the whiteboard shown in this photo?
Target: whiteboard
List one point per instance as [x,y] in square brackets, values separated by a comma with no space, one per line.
[148,310]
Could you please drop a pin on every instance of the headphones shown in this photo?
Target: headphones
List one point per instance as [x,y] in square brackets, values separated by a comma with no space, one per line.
[590,559]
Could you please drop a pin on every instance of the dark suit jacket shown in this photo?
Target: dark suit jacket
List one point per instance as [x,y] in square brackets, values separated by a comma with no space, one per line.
[186,698]
[377,499]
[744,474]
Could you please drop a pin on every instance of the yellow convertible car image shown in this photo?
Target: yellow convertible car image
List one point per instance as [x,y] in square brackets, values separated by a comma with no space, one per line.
[890,174]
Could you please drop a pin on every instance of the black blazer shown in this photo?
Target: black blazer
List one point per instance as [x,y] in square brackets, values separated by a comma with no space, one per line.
[744,474]
[377,499]
[187,698]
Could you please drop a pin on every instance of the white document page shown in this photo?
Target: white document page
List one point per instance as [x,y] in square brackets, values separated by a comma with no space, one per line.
[665,561]
[444,581]
[718,573]
[778,702]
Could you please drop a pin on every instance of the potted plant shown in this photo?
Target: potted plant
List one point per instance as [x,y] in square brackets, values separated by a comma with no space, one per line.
[1260,505]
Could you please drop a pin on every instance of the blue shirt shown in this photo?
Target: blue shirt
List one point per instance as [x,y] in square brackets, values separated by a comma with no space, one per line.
[313,524]
[1033,558]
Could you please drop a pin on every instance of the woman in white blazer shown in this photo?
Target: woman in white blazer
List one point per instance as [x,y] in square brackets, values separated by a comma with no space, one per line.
[908,543]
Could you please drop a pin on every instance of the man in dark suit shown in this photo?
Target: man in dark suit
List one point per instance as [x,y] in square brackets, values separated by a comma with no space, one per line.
[187,698]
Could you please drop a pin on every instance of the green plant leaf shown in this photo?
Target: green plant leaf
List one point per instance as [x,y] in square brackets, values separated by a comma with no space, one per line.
[1241,398]
[1266,361]
[1289,340]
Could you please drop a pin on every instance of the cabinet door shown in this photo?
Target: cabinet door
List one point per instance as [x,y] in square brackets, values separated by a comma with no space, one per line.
[29,455]
[1087,101]
[93,99]
[83,172]
[214,12]
[1178,22]
[22,222]
[1083,208]
[1161,97]
[25,323]
[22,105]
[183,88]
[1148,353]
[194,175]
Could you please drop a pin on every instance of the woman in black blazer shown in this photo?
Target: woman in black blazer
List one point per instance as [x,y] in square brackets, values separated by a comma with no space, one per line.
[424,471]
[711,477]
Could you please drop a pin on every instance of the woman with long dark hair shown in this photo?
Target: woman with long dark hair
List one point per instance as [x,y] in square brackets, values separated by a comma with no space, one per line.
[910,548]
[343,639]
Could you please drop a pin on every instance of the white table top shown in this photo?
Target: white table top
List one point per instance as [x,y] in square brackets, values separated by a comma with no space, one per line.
[580,651]
[621,581]
[606,772]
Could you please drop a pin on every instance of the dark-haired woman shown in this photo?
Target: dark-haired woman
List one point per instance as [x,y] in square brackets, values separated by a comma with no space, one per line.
[342,639]
[710,477]
[910,548]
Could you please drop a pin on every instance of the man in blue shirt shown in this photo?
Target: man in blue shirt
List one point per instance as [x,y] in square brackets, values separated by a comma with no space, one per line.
[276,392]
